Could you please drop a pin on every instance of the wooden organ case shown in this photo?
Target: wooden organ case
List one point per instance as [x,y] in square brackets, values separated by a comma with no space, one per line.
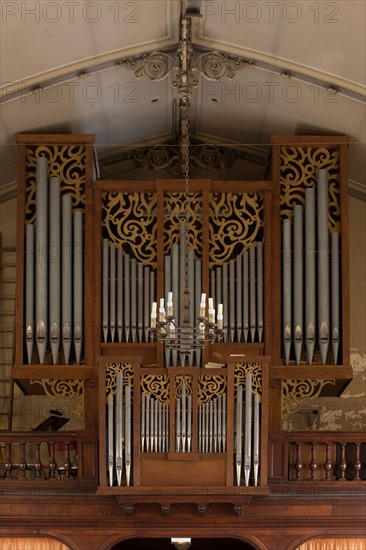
[171,427]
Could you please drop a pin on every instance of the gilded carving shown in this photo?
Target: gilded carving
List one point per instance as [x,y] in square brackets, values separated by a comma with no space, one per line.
[174,211]
[65,161]
[129,220]
[235,224]
[210,386]
[110,376]
[179,380]
[294,392]
[157,386]
[298,171]
[240,370]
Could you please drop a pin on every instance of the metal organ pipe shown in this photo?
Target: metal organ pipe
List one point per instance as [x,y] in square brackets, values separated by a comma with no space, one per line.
[78,283]
[55,268]
[298,281]
[260,319]
[323,264]
[41,256]
[29,289]
[310,273]
[286,288]
[335,294]
[66,276]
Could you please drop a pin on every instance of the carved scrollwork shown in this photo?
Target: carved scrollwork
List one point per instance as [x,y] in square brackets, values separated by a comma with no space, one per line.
[156,385]
[235,223]
[294,392]
[155,65]
[210,386]
[187,380]
[298,171]
[129,220]
[110,376]
[240,370]
[173,213]
[215,65]
[65,161]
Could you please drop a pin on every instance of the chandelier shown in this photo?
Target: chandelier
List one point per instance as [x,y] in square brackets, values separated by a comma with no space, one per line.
[185,337]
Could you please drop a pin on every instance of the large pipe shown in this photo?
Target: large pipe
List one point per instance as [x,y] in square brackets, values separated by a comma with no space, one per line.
[256,432]
[260,290]
[238,432]
[252,300]
[78,284]
[335,295]
[232,298]
[310,273]
[225,298]
[120,294]
[175,290]
[239,298]
[298,282]
[140,300]
[55,267]
[146,302]
[133,295]
[128,422]
[41,256]
[184,417]
[66,276]
[246,295]
[323,264]
[110,438]
[248,427]
[182,267]
[119,425]
[197,299]
[105,293]
[29,289]
[112,290]
[168,289]
[286,288]
[143,414]
[127,317]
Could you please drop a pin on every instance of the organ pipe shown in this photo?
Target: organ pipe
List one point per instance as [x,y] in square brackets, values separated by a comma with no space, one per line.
[66,276]
[55,268]
[78,284]
[41,256]
[286,288]
[310,273]
[323,264]
[29,289]
[298,281]
[335,294]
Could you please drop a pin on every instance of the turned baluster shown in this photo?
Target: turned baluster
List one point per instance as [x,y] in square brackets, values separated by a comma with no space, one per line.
[298,463]
[37,462]
[8,463]
[67,463]
[53,464]
[22,462]
[313,464]
[357,465]
[343,464]
[328,462]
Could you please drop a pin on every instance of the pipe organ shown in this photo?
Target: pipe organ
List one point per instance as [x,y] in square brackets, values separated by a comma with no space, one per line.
[271,255]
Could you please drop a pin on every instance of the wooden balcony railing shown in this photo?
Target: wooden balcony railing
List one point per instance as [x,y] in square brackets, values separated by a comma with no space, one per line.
[49,456]
[316,456]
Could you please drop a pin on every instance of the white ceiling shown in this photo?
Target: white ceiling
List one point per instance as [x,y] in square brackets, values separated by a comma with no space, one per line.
[318,44]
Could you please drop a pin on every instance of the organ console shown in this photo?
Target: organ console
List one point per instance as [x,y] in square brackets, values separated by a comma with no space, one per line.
[271,254]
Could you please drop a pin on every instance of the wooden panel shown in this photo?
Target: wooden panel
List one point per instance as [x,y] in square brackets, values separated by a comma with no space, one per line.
[158,470]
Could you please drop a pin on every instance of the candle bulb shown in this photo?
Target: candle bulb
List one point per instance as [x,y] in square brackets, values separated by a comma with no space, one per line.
[220,317]
[203,305]
[211,311]
[161,311]
[153,314]
[169,304]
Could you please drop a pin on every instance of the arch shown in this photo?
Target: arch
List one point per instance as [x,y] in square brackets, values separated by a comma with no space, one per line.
[248,542]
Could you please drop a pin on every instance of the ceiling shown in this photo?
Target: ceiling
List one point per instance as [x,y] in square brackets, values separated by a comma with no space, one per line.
[63,69]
